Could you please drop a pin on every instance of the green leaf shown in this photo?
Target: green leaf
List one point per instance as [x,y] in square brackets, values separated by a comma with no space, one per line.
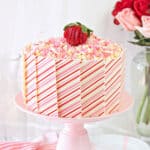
[147,39]
[78,23]
[141,42]
[86,29]
[138,35]
[69,25]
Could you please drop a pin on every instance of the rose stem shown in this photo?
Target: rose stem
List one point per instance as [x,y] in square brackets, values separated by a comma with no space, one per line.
[141,105]
[148,84]
[147,111]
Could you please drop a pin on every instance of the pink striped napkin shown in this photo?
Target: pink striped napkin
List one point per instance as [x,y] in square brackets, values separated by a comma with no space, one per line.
[26,146]
[45,142]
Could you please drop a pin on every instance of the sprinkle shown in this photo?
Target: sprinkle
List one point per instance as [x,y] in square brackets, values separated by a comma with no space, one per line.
[37,53]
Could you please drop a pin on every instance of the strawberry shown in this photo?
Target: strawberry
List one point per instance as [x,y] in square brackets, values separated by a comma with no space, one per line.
[76,33]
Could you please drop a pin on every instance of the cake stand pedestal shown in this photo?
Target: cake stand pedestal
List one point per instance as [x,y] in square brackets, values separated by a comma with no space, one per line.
[74,136]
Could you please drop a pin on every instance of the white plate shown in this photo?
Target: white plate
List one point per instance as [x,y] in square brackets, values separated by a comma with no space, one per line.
[118,142]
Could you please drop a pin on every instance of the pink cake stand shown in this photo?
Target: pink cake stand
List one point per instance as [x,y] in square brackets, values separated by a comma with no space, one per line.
[74,136]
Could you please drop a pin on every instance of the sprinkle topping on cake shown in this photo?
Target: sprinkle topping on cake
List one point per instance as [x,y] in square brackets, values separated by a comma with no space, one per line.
[58,48]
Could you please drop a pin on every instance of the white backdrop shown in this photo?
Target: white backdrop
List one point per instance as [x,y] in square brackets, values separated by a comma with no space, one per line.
[23,21]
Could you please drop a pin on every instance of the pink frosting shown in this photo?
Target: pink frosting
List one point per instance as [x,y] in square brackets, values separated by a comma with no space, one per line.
[145,29]
[58,48]
[128,19]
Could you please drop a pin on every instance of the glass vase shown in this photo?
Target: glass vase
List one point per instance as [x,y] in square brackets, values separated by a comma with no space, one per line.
[140,78]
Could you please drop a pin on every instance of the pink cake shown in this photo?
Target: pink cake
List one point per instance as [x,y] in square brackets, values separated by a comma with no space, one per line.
[61,80]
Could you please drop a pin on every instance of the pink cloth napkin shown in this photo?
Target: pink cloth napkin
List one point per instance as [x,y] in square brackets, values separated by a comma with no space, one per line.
[45,142]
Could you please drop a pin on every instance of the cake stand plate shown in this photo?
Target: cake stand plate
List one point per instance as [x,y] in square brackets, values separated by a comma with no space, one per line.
[74,136]
[119,142]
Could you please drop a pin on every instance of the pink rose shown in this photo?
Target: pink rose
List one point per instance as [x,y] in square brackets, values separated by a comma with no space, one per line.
[128,19]
[145,29]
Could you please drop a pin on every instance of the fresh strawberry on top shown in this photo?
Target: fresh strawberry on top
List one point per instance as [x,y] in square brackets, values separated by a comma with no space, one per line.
[76,33]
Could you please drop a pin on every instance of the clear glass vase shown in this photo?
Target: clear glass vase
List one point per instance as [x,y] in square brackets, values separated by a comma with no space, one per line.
[140,78]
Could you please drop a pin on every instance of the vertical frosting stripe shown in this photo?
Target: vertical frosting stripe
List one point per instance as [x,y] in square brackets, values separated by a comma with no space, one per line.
[114,76]
[46,86]
[30,62]
[123,74]
[92,88]
[68,88]
[24,84]
[113,103]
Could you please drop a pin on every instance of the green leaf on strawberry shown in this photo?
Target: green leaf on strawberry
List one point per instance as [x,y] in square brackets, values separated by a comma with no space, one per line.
[69,25]
[84,28]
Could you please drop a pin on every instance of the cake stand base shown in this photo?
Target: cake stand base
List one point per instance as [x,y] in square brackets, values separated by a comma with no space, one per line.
[74,136]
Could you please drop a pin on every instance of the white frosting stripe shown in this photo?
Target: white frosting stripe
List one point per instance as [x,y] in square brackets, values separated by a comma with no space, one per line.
[30,60]
[113,92]
[114,108]
[68,80]
[112,64]
[63,63]
[92,80]
[48,107]
[46,93]
[71,109]
[98,86]
[41,62]
[92,69]
[66,101]
[113,82]
[93,105]
[67,72]
[116,74]
[93,99]
[110,73]
[113,103]
[68,88]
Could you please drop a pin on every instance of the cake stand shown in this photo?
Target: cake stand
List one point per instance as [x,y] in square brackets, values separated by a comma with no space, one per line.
[74,136]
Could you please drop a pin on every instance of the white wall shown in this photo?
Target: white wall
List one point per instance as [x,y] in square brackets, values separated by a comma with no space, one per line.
[25,20]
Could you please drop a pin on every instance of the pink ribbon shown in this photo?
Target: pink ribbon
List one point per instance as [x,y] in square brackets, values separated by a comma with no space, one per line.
[45,142]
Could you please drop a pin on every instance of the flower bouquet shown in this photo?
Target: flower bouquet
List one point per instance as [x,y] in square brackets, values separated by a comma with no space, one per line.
[134,16]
